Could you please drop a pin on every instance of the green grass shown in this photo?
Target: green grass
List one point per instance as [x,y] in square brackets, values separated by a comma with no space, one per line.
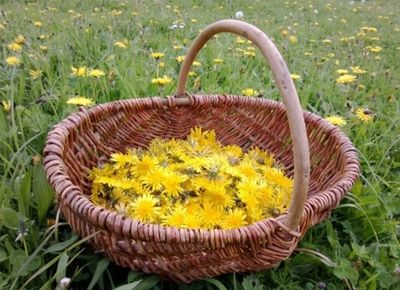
[357,247]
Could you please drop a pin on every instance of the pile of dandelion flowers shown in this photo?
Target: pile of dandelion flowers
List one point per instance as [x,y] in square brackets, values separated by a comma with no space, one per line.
[192,183]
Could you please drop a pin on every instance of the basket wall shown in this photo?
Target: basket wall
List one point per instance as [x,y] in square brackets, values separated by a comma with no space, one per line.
[87,138]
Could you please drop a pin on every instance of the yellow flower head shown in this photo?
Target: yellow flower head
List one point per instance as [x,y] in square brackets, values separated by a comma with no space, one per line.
[374,49]
[161,81]
[346,79]
[217,61]
[196,63]
[80,101]
[295,77]
[234,219]
[120,44]
[96,73]
[336,120]
[364,115]
[145,208]
[293,39]
[157,55]
[249,92]
[14,47]
[13,61]
[180,58]
[37,23]
[342,71]
[35,74]
[6,106]
[79,72]
[357,70]
[20,39]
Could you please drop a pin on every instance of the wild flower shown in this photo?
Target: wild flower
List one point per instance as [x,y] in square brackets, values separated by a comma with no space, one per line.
[13,61]
[364,115]
[80,101]
[161,81]
[35,74]
[249,92]
[295,77]
[79,72]
[14,47]
[336,120]
[192,183]
[96,73]
[157,55]
[345,79]
[218,60]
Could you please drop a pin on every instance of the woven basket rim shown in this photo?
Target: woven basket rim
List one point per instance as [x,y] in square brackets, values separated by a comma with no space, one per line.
[104,218]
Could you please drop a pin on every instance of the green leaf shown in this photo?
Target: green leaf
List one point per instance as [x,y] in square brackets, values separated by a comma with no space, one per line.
[9,218]
[23,192]
[129,286]
[216,283]
[100,268]
[344,270]
[42,192]
[62,267]
[3,256]
[61,245]
[148,282]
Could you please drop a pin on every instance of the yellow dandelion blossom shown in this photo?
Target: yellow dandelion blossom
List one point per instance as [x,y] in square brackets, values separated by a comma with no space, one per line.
[155,178]
[120,44]
[38,24]
[346,79]
[144,166]
[44,48]
[368,29]
[217,195]
[161,81]
[80,101]
[196,63]
[157,55]
[342,71]
[295,77]
[180,58]
[293,39]
[20,39]
[336,120]
[6,106]
[210,215]
[176,217]
[364,115]
[357,70]
[13,61]
[96,73]
[172,184]
[14,47]
[234,219]
[35,74]
[217,61]
[240,40]
[145,208]
[374,49]
[249,53]
[177,47]
[249,92]
[327,41]
[79,72]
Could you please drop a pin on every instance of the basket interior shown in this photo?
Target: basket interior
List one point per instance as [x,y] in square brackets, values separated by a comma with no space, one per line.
[246,122]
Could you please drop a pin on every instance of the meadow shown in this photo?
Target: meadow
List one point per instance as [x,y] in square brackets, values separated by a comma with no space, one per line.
[59,55]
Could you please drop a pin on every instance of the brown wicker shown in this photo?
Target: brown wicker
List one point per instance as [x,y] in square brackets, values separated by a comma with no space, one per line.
[87,138]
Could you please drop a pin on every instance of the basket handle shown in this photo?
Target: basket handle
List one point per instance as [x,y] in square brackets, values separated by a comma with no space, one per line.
[290,100]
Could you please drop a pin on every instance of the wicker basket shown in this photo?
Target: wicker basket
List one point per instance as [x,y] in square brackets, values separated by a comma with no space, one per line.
[88,138]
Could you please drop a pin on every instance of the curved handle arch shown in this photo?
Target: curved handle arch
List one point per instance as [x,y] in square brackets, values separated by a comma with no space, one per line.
[290,100]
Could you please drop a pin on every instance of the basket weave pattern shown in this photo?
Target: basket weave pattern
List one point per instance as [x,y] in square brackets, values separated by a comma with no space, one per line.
[319,157]
[88,138]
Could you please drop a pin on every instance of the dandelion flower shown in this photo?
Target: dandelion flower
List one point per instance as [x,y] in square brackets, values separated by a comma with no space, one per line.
[35,74]
[249,53]
[96,73]
[6,106]
[13,61]
[80,101]
[217,61]
[180,58]
[357,70]
[37,23]
[293,39]
[239,15]
[14,47]
[196,63]
[327,41]
[176,218]
[295,77]
[44,48]
[240,40]
[342,71]
[364,115]
[374,49]
[79,72]
[157,55]
[336,120]
[144,208]
[249,92]
[346,79]
[120,44]
[234,219]
[161,81]
[20,39]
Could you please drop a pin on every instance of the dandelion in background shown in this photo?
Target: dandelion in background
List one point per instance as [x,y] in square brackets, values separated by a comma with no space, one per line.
[13,61]
[6,106]
[14,47]
[374,49]
[37,23]
[239,15]
[20,39]
[342,71]
[35,74]
[249,92]
[364,115]
[196,63]
[96,73]
[345,79]
[180,58]
[295,77]
[293,39]
[161,81]
[336,120]
[357,70]
[79,72]
[217,61]
[80,101]
[157,55]
[120,44]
